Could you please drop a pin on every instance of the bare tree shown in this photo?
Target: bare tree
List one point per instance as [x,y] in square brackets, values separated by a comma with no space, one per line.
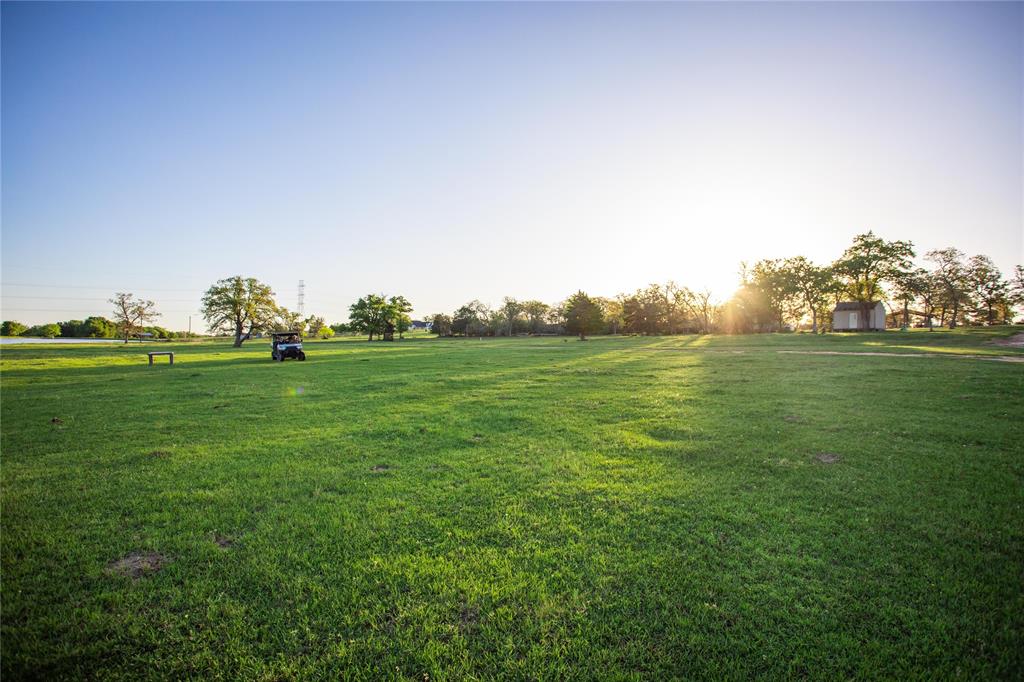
[131,313]
[699,304]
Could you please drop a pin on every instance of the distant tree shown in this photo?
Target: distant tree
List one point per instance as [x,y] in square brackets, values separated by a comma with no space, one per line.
[700,308]
[131,314]
[44,331]
[289,320]
[644,312]
[441,324]
[239,306]
[868,263]
[988,288]
[810,286]
[1015,290]
[71,329]
[674,306]
[776,292]
[325,332]
[611,310]
[951,273]
[910,286]
[471,318]
[556,316]
[340,328]
[749,310]
[510,311]
[314,325]
[536,313]
[493,323]
[99,327]
[1017,284]
[12,328]
[369,315]
[400,309]
[931,295]
[582,315]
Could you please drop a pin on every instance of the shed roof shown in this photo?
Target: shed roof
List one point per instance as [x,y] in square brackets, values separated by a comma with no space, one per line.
[856,305]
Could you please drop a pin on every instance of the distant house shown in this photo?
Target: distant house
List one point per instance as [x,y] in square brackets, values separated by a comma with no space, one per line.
[848,316]
[420,324]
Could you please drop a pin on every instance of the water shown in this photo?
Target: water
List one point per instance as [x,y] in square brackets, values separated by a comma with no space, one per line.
[11,340]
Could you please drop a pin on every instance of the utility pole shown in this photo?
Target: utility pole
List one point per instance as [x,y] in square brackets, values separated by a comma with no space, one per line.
[302,297]
[190,325]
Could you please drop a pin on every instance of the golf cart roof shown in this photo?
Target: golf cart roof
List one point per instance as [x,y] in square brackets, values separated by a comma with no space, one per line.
[284,333]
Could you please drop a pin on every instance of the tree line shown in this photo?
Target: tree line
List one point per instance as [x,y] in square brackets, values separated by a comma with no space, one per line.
[774,295]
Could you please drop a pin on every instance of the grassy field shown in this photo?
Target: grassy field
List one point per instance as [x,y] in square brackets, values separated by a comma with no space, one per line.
[643,508]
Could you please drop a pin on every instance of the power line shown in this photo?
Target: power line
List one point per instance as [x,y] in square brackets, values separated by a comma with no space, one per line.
[75,310]
[199,291]
[82,286]
[88,298]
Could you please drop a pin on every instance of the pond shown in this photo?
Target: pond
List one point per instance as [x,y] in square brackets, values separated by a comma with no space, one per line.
[11,340]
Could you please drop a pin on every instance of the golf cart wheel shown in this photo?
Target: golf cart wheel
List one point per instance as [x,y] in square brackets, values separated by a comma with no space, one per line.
[302,356]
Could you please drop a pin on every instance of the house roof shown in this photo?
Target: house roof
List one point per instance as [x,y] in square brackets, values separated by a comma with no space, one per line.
[855,305]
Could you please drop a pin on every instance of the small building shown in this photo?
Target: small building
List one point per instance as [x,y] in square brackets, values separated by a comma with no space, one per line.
[849,316]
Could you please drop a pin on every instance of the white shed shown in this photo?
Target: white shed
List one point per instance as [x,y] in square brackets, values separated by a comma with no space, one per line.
[852,316]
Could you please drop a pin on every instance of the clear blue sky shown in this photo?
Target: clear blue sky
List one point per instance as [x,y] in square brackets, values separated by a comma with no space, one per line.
[456,151]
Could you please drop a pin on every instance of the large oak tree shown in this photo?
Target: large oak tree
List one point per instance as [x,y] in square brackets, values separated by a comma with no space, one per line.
[242,306]
[867,264]
[369,315]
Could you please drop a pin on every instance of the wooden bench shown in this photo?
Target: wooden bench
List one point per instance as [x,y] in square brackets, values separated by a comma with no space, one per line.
[160,352]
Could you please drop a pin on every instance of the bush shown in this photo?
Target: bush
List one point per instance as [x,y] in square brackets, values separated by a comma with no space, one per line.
[12,328]
[45,331]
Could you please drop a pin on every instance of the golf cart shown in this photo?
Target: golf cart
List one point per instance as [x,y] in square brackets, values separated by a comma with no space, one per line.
[286,345]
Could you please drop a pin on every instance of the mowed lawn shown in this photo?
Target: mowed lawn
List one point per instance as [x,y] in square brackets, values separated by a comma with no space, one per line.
[622,508]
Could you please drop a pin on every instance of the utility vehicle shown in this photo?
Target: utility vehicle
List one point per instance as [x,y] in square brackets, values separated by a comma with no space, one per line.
[286,345]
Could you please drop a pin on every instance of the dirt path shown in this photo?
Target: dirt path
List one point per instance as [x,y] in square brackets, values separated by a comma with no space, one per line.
[996,358]
[961,356]
[1015,341]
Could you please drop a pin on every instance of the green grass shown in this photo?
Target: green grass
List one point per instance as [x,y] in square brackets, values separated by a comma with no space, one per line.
[643,508]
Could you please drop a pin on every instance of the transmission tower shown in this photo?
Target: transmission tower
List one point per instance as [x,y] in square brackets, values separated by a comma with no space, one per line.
[302,297]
